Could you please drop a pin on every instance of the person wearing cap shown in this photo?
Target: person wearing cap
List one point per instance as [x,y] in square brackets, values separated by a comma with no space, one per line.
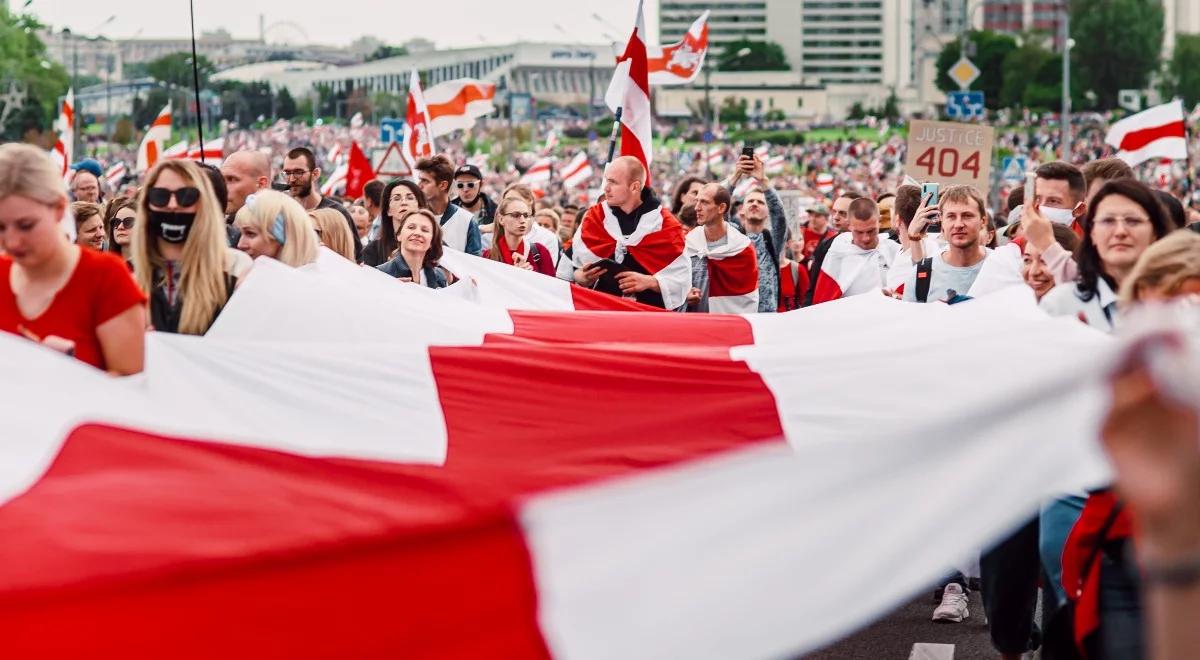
[85,186]
[817,229]
[468,185]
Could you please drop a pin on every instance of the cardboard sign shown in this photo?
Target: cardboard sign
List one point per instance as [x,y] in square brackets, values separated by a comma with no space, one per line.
[950,153]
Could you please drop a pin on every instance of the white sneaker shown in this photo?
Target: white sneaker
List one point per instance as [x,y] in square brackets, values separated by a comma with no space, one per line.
[953,608]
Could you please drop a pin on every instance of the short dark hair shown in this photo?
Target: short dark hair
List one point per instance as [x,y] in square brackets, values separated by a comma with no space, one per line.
[373,191]
[218,184]
[1061,171]
[1108,169]
[1091,268]
[1173,207]
[850,195]
[1016,197]
[863,208]
[439,167]
[687,216]
[908,200]
[722,196]
[884,195]
[304,152]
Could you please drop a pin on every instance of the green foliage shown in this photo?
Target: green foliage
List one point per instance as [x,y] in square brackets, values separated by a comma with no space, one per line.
[1022,68]
[23,61]
[1117,45]
[763,56]
[991,49]
[1183,70]
[385,51]
[857,111]
[285,105]
[146,109]
[176,69]
[733,110]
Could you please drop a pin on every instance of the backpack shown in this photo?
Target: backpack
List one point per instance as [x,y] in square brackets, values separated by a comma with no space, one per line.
[924,279]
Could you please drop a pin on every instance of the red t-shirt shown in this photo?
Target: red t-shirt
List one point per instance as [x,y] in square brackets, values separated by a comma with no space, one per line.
[791,291]
[99,289]
[812,238]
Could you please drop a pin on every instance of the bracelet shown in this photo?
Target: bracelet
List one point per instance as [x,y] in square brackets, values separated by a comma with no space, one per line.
[1180,574]
[917,238]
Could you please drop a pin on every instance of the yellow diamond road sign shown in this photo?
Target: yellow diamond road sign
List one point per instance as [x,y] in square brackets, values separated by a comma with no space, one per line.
[964,72]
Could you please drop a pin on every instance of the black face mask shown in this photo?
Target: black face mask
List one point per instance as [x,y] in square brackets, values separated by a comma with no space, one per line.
[171,227]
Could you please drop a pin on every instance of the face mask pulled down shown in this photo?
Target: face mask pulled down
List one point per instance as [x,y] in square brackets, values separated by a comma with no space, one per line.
[171,227]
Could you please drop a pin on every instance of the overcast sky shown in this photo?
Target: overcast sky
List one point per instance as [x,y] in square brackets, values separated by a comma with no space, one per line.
[448,23]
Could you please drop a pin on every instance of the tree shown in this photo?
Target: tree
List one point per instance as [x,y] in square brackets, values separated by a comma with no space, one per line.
[1021,68]
[1117,45]
[385,51]
[285,105]
[24,65]
[991,48]
[891,107]
[145,110]
[763,56]
[176,69]
[857,111]
[733,110]
[1183,76]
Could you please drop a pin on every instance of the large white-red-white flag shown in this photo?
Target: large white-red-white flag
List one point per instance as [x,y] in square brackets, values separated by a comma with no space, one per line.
[418,132]
[1158,132]
[849,270]
[151,148]
[456,104]
[680,62]
[630,91]
[64,145]
[577,172]
[732,271]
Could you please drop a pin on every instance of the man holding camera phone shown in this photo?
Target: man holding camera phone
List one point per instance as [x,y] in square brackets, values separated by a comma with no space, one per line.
[758,205]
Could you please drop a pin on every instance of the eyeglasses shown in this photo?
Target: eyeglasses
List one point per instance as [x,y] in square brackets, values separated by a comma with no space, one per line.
[465,184]
[185,196]
[519,216]
[294,174]
[123,223]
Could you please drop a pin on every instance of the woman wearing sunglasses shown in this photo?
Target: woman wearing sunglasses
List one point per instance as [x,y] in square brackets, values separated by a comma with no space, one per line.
[119,216]
[180,251]
[400,197]
[78,301]
[510,238]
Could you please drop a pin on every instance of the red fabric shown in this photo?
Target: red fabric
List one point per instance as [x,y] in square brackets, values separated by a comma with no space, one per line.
[724,330]
[733,276]
[359,171]
[826,289]
[544,264]
[655,252]
[1084,590]
[791,294]
[812,239]
[99,289]
[639,76]
[584,299]
[1138,139]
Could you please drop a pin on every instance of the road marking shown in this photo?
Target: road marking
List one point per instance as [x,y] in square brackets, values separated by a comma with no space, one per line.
[925,651]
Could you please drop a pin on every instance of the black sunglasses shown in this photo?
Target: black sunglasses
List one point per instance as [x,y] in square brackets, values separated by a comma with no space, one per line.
[185,196]
[123,223]
[465,184]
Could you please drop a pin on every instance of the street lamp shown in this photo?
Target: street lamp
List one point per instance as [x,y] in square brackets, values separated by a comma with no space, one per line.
[1066,82]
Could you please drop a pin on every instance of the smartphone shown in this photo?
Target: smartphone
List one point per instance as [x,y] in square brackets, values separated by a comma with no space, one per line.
[1030,187]
[611,267]
[748,152]
[930,191]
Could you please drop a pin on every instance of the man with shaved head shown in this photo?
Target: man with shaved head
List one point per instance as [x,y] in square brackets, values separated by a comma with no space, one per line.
[245,173]
[628,245]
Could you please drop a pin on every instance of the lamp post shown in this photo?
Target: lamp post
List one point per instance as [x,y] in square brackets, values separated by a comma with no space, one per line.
[1066,82]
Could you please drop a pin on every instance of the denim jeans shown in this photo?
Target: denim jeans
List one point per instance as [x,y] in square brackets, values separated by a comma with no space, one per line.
[1057,519]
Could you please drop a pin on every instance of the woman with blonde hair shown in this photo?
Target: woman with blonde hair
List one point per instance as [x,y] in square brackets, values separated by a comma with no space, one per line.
[274,225]
[510,238]
[537,233]
[180,251]
[77,301]
[1169,268]
[332,231]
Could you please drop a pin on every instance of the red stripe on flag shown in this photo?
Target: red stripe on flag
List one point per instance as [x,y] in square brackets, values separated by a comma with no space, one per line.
[1135,140]
[595,301]
[733,276]
[826,289]
[582,327]
[458,104]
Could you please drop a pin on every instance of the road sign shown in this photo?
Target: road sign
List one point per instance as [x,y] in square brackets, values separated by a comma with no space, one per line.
[1130,99]
[391,129]
[1013,168]
[965,106]
[964,72]
[392,163]
[950,153]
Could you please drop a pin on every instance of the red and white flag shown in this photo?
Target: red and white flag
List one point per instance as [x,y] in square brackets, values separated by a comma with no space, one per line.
[577,172]
[775,164]
[745,184]
[656,244]
[849,270]
[456,104]
[64,144]
[418,132]
[732,271]
[630,91]
[825,183]
[358,172]
[177,151]
[151,148]
[336,180]
[212,153]
[334,157]
[1158,132]
[115,174]
[715,156]
[551,142]
[538,174]
[680,62]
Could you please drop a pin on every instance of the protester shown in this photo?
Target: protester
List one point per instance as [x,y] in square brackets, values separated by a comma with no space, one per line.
[332,232]
[245,173]
[1099,172]
[1174,209]
[400,196]
[757,205]
[85,186]
[77,301]
[547,219]
[538,234]
[817,229]
[372,200]
[468,183]
[1060,193]
[362,221]
[301,174]
[725,276]
[416,260]
[1038,267]
[89,224]
[685,193]
[887,203]
[119,216]
[180,250]
[509,245]
[275,226]
[793,278]
[954,270]
[841,221]
[1169,268]
[647,248]
[857,261]
[459,229]
[907,202]
[687,218]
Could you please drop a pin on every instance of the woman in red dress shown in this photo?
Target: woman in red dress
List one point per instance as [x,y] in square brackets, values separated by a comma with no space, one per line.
[80,302]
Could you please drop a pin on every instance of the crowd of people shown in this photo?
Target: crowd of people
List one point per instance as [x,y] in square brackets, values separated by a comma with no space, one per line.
[1089,239]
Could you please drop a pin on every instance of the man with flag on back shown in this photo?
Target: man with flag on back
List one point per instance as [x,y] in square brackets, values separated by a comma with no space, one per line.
[629,245]
[724,262]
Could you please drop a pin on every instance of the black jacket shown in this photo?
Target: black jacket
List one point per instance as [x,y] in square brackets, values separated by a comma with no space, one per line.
[486,215]
[431,276]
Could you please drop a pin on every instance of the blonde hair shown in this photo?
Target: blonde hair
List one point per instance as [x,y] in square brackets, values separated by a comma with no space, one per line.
[520,190]
[335,233]
[26,171]
[548,213]
[203,282]
[960,194]
[1167,263]
[299,246]
[498,230]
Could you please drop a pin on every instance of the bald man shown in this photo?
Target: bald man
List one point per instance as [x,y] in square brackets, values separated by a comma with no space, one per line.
[245,172]
[628,245]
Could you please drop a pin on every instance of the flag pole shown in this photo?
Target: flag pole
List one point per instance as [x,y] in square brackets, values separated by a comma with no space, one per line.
[1191,173]
[612,140]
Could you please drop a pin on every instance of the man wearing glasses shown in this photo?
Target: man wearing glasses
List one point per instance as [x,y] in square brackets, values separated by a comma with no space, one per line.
[300,173]
[468,184]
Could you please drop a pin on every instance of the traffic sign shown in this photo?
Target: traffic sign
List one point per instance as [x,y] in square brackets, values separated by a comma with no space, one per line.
[1130,99]
[1013,168]
[391,129]
[964,72]
[965,105]
[392,163]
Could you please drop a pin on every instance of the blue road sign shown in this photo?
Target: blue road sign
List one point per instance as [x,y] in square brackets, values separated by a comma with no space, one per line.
[1013,168]
[964,105]
[391,130]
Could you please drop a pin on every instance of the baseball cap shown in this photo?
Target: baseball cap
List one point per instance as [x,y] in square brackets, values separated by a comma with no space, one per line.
[89,165]
[818,209]
[469,170]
